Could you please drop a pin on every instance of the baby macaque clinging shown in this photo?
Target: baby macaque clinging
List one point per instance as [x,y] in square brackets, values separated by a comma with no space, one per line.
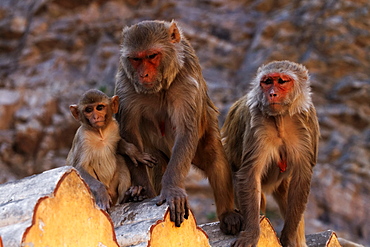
[165,110]
[94,150]
[270,137]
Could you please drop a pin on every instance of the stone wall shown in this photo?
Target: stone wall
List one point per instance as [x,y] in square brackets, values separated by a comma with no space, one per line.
[52,51]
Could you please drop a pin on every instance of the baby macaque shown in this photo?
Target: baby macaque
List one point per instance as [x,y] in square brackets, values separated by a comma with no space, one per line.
[94,150]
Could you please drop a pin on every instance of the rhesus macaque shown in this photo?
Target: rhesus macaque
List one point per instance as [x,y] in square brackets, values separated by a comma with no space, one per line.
[165,110]
[271,137]
[94,150]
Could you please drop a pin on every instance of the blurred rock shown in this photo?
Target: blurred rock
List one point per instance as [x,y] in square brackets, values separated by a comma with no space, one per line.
[52,51]
[9,102]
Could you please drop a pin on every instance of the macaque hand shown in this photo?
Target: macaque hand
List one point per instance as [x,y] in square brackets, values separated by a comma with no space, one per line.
[135,193]
[141,157]
[102,198]
[177,200]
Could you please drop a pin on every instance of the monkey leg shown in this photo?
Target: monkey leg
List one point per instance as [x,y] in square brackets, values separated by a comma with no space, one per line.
[122,179]
[296,199]
[210,158]
[281,196]
[113,189]
[301,238]
[156,173]
[263,203]
[140,177]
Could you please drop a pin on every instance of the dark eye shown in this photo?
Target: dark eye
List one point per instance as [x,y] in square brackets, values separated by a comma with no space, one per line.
[267,81]
[152,55]
[100,107]
[134,58]
[281,81]
[89,109]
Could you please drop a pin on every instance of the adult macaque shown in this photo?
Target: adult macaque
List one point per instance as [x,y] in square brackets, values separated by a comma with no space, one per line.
[165,110]
[271,136]
[94,150]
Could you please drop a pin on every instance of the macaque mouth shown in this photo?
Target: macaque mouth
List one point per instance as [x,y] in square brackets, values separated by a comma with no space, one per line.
[98,123]
[276,104]
[147,84]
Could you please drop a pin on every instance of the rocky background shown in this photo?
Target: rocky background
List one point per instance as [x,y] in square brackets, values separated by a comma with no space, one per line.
[53,50]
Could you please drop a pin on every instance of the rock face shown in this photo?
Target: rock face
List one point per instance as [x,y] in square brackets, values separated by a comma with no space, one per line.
[52,51]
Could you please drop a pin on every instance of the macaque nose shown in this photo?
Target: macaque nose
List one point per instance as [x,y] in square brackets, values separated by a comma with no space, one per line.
[95,116]
[144,75]
[272,93]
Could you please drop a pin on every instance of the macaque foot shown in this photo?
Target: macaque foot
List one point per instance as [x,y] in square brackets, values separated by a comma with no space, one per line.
[135,194]
[231,222]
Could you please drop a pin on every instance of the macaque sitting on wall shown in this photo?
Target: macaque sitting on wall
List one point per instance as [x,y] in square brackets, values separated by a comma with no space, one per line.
[94,150]
[165,110]
[271,140]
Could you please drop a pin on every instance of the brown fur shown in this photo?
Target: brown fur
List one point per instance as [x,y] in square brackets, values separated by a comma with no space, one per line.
[94,151]
[174,119]
[97,156]
[255,141]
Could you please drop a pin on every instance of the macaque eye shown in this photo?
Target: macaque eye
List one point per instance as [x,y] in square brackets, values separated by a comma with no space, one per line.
[100,107]
[281,81]
[152,55]
[89,109]
[267,81]
[134,59]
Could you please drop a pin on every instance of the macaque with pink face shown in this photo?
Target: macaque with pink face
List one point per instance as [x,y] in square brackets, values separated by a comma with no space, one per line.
[165,110]
[271,137]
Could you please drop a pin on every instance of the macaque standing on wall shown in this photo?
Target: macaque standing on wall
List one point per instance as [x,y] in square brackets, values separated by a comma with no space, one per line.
[165,110]
[270,137]
[94,150]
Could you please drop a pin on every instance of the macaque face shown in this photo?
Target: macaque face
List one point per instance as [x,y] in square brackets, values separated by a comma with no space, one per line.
[96,114]
[146,65]
[276,88]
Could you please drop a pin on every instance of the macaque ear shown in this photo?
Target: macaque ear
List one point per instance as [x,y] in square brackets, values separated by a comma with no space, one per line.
[75,112]
[115,103]
[174,32]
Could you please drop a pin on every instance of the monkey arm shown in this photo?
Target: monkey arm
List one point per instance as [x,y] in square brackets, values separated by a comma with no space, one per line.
[249,197]
[98,189]
[179,164]
[183,152]
[233,130]
[186,112]
[173,190]
[135,155]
